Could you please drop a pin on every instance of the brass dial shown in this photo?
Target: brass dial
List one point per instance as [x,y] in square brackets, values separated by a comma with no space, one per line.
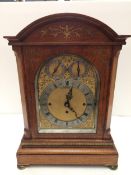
[67,102]
[66,95]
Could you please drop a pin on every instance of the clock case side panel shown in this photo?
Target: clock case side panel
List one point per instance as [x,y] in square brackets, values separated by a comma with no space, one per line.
[23,89]
[114,62]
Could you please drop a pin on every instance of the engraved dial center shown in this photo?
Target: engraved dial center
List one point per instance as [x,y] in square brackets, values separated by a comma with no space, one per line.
[59,108]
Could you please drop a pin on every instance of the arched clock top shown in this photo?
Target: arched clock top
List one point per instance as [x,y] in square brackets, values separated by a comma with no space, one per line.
[67,28]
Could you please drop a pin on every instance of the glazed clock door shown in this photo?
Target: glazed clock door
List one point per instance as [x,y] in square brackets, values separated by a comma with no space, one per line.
[67,94]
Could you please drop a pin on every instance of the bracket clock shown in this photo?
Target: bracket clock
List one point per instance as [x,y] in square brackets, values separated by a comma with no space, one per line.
[67,68]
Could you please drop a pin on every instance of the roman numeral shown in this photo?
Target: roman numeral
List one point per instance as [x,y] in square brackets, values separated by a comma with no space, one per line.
[87,94]
[85,114]
[67,83]
[66,123]
[43,104]
[80,119]
[89,104]
[55,85]
[55,120]
[78,85]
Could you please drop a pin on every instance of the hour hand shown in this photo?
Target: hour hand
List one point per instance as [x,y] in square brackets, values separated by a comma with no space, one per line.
[67,104]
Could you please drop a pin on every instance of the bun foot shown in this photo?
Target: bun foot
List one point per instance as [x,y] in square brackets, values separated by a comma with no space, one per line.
[113,167]
[21,167]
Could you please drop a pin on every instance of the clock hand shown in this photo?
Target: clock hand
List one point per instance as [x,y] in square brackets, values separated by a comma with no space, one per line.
[67,102]
[78,68]
[69,96]
[70,107]
[56,68]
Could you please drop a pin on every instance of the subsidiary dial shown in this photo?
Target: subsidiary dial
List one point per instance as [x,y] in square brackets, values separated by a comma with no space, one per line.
[78,68]
[55,69]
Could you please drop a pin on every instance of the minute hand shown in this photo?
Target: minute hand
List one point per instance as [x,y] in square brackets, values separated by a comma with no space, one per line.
[69,96]
[67,103]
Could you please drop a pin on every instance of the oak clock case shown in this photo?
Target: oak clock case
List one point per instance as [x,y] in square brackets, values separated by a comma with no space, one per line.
[67,67]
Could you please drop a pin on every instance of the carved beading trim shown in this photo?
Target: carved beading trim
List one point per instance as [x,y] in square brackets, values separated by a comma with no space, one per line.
[67,144]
